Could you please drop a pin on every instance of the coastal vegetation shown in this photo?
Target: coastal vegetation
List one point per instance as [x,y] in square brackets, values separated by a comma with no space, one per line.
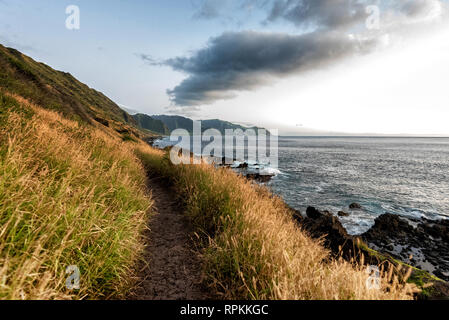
[253,249]
[74,191]
[70,194]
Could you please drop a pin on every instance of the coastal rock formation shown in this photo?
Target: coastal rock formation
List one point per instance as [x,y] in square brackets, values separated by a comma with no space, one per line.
[243,165]
[320,224]
[261,178]
[391,239]
[355,206]
[422,243]
[323,224]
[247,171]
[343,214]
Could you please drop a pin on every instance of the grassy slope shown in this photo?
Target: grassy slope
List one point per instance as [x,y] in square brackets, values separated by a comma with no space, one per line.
[70,194]
[253,248]
[72,191]
[59,91]
[146,122]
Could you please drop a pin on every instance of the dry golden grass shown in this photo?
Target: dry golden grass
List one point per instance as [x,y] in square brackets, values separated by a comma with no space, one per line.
[255,250]
[69,195]
[75,195]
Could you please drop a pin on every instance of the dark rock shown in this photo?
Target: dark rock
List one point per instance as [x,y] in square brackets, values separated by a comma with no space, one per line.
[439,273]
[328,227]
[439,291]
[437,229]
[388,230]
[313,213]
[388,226]
[123,131]
[262,178]
[325,225]
[355,206]
[102,121]
[429,238]
[243,165]
[343,214]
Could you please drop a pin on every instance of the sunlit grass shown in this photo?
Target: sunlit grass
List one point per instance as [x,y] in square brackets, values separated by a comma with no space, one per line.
[252,247]
[75,195]
[69,195]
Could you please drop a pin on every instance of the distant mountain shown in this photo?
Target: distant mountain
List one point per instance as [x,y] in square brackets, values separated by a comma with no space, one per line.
[56,90]
[175,122]
[60,91]
[146,122]
[178,122]
[221,125]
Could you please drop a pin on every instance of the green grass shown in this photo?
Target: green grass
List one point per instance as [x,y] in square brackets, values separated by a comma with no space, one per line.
[69,195]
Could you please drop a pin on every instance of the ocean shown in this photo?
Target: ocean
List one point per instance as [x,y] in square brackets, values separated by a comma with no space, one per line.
[404,176]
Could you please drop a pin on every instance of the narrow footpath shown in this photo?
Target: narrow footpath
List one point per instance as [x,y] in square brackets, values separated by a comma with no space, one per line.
[171,269]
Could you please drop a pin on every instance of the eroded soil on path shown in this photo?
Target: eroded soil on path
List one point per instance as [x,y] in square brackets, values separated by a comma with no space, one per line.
[170,268]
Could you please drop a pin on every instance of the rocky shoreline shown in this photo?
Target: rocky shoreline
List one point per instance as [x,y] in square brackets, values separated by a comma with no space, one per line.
[241,168]
[421,244]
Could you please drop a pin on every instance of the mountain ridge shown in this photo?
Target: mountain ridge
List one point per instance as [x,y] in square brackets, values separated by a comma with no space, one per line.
[179,122]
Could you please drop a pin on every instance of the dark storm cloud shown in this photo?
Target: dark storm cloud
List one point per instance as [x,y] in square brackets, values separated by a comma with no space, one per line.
[247,60]
[238,61]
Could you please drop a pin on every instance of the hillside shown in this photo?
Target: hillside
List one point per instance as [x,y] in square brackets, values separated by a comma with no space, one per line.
[146,122]
[70,194]
[178,122]
[72,191]
[59,91]
[175,122]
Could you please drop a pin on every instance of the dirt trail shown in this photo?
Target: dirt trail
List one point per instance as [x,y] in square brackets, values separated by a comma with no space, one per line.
[172,270]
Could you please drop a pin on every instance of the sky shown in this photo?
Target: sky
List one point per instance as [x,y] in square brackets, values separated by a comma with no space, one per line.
[300,66]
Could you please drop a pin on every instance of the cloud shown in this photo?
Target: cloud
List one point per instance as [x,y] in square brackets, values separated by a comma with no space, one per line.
[422,10]
[318,14]
[209,9]
[346,14]
[189,112]
[148,59]
[332,30]
[238,61]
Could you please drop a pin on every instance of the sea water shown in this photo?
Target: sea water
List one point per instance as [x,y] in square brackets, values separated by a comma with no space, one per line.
[404,176]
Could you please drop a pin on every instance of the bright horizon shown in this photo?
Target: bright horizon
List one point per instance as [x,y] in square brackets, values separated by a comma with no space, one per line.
[315,72]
